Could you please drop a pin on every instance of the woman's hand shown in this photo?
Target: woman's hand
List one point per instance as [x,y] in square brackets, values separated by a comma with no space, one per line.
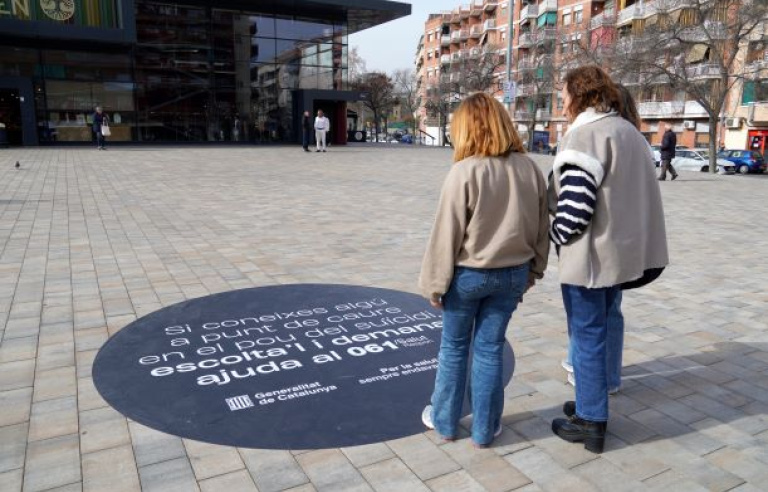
[436,302]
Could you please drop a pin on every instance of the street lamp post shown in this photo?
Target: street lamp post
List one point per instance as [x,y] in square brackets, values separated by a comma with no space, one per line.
[508,93]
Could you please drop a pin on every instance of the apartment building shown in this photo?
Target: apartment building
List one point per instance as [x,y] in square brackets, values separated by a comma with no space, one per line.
[548,33]
[453,39]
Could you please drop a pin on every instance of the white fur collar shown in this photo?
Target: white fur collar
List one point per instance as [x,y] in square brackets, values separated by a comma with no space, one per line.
[589,115]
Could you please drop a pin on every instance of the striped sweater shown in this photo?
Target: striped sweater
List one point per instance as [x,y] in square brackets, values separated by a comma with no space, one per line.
[575,204]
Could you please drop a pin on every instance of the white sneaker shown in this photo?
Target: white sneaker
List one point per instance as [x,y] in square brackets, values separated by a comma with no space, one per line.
[613,391]
[567,365]
[426,417]
[498,431]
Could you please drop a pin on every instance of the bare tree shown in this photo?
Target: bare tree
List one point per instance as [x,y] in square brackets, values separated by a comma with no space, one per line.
[470,70]
[536,79]
[407,92]
[378,91]
[357,65]
[697,47]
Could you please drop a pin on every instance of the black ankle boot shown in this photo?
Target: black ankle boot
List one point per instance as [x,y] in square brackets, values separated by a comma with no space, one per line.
[592,434]
[569,408]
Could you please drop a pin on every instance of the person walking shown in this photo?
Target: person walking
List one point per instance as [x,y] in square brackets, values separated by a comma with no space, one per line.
[100,127]
[306,127]
[489,245]
[668,148]
[609,228]
[322,125]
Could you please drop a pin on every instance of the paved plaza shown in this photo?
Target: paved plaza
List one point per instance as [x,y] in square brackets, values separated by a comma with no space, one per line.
[90,241]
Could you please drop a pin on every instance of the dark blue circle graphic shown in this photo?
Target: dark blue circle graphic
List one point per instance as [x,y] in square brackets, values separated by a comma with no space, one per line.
[307,366]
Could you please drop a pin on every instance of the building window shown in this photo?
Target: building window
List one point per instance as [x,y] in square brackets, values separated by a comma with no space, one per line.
[566,18]
[578,16]
[754,91]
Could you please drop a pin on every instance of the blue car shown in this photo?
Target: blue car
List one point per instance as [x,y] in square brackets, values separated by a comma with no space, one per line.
[746,161]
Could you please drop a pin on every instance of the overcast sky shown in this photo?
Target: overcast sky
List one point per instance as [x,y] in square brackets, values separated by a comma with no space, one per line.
[393,45]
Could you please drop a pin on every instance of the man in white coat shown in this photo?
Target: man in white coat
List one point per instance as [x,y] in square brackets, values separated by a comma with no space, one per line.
[322,126]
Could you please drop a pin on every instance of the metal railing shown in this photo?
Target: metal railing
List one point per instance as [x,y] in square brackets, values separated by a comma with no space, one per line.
[489,24]
[529,12]
[704,71]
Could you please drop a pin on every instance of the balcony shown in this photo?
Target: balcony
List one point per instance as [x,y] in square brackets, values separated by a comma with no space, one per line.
[475,53]
[525,90]
[529,12]
[526,64]
[522,115]
[489,24]
[548,6]
[606,19]
[705,33]
[633,12]
[456,36]
[464,34]
[445,59]
[702,72]
[456,57]
[476,31]
[661,109]
[543,115]
[546,34]
[491,6]
[477,8]
[526,40]
[757,69]
[445,40]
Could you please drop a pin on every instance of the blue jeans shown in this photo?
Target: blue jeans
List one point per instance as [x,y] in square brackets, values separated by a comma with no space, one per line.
[477,309]
[588,321]
[614,340]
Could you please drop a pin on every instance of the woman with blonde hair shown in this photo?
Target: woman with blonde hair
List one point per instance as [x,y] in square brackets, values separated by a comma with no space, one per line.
[488,246]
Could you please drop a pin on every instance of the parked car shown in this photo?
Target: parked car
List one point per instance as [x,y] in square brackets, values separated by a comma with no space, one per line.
[698,160]
[656,154]
[746,161]
[407,139]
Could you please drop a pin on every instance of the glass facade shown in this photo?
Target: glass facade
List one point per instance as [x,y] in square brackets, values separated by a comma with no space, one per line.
[195,74]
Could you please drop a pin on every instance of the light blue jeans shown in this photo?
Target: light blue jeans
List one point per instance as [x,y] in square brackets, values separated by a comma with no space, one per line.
[614,340]
[477,309]
[588,321]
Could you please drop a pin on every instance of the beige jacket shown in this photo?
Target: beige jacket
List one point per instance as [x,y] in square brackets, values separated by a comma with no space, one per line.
[627,235]
[492,214]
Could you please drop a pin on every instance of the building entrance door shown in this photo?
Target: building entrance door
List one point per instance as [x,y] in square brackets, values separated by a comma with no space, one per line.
[10,116]
[17,110]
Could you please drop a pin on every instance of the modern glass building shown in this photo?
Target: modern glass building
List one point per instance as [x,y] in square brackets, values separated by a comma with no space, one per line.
[191,71]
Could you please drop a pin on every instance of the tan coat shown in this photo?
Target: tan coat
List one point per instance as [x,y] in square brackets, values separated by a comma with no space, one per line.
[492,214]
[627,234]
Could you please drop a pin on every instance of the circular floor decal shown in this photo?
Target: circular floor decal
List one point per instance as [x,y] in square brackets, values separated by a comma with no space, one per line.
[284,367]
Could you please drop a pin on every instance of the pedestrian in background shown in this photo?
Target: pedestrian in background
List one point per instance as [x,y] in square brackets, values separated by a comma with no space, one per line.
[322,125]
[668,149]
[488,246]
[609,227]
[306,127]
[101,127]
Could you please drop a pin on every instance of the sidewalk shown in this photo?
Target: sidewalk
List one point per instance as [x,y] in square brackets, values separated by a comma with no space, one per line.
[90,241]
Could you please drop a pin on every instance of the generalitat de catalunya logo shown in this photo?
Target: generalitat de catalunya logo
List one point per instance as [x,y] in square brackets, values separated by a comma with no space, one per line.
[59,10]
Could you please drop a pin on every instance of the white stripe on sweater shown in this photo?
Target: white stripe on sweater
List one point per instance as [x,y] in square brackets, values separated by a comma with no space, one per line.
[576,205]
[570,217]
[583,190]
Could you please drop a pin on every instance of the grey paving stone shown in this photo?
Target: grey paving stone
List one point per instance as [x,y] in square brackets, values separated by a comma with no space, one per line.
[18,374]
[422,456]
[52,463]
[209,460]
[55,383]
[15,349]
[329,470]
[168,476]
[273,470]
[231,482]
[102,428]
[151,446]
[53,418]
[459,480]
[392,476]
[14,445]
[111,469]
[11,481]
[16,406]
[361,456]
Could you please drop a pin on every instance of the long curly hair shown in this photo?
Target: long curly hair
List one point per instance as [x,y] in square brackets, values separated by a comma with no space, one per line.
[591,87]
